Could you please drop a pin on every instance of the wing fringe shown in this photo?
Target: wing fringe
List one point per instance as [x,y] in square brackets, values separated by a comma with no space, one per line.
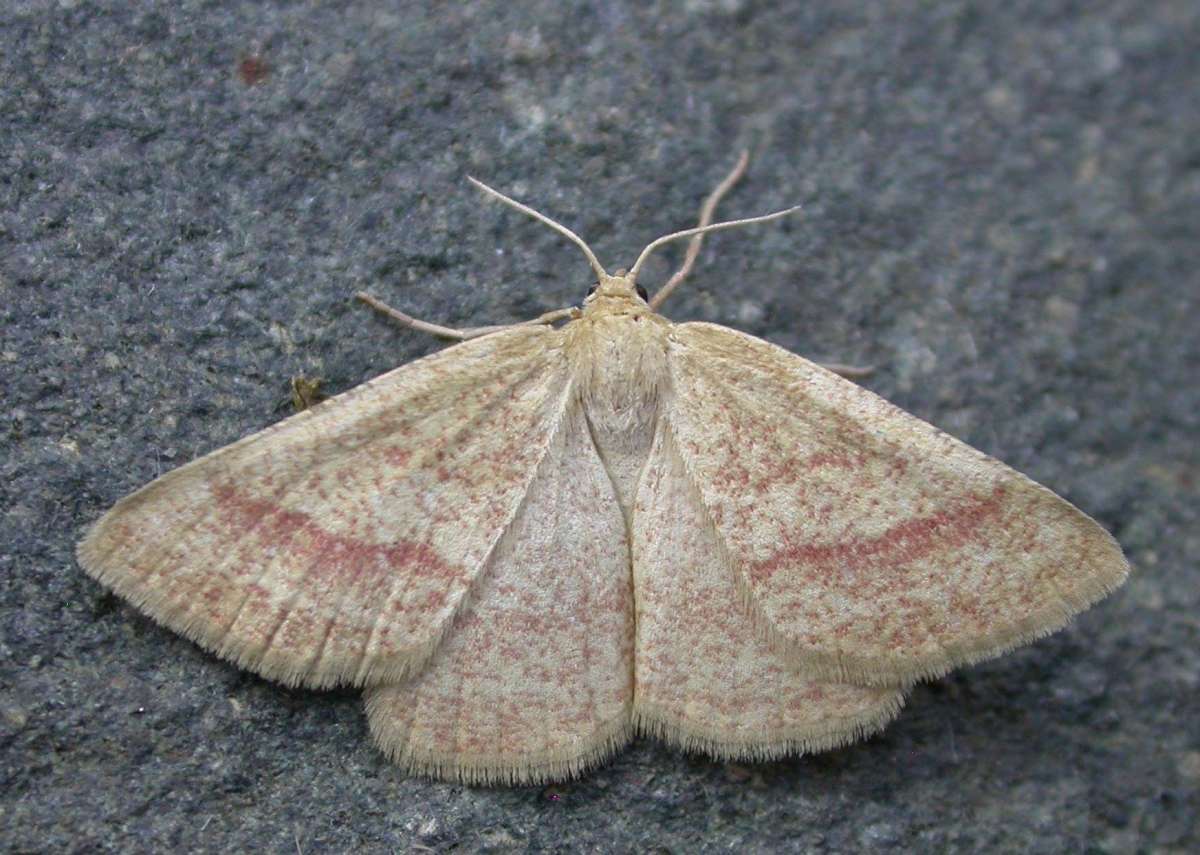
[497,770]
[653,721]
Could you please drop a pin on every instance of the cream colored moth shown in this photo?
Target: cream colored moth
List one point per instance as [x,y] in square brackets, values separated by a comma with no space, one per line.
[545,539]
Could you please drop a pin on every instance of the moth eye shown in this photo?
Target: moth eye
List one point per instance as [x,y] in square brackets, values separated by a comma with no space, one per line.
[641,292]
[591,290]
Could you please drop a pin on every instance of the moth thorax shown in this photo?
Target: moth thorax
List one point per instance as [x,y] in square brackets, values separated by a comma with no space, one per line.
[621,374]
[620,367]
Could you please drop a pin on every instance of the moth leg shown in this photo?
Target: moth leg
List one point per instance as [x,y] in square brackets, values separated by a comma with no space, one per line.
[850,372]
[457,334]
[706,215]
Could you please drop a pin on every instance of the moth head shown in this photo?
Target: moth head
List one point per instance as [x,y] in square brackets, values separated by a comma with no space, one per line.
[619,286]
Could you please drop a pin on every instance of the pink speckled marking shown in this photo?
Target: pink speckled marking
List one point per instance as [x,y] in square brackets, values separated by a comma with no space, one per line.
[334,554]
[904,542]
[540,660]
[860,533]
[701,665]
[397,456]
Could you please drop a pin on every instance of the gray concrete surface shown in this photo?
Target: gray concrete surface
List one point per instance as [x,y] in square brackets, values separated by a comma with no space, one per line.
[1003,203]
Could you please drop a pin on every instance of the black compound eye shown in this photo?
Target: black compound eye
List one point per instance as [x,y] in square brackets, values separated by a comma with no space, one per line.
[641,292]
[591,290]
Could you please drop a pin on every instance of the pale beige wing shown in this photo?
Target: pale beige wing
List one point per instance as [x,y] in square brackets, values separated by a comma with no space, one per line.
[335,546]
[705,679]
[874,547]
[535,679]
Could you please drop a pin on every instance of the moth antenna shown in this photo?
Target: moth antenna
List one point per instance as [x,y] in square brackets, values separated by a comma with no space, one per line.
[707,211]
[703,230]
[558,227]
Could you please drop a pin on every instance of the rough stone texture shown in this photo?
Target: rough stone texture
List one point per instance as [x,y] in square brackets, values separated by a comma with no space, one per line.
[1003,203]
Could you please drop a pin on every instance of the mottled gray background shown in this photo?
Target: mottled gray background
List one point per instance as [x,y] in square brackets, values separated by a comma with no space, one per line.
[1002,208]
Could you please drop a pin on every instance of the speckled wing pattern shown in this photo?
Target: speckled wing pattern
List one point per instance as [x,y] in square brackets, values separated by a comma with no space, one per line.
[535,681]
[766,559]
[705,678]
[336,547]
[870,546]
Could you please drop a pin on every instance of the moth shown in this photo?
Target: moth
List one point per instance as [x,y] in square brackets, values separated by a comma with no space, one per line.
[537,543]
